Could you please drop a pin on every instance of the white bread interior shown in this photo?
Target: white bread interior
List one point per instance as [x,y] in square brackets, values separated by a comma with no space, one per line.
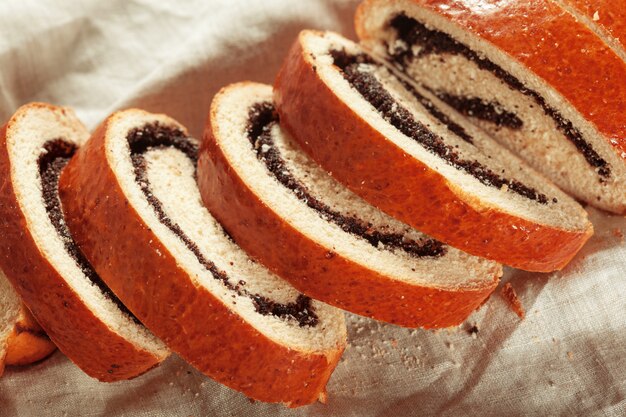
[565,214]
[452,271]
[171,176]
[26,137]
[538,141]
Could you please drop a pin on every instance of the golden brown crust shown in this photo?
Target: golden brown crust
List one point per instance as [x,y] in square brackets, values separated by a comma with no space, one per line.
[59,310]
[312,268]
[28,343]
[608,16]
[189,319]
[349,147]
[510,296]
[583,69]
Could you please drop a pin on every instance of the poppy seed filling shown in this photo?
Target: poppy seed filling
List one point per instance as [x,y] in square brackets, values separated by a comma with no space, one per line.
[432,41]
[371,89]
[155,136]
[262,117]
[58,153]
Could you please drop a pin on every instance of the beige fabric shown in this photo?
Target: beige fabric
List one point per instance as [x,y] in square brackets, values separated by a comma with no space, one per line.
[568,357]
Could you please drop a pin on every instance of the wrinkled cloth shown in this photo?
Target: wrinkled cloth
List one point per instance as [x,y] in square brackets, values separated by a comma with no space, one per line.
[565,358]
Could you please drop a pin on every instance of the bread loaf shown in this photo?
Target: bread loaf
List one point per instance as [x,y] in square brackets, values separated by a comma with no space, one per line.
[133,204]
[329,243]
[41,259]
[414,157]
[532,74]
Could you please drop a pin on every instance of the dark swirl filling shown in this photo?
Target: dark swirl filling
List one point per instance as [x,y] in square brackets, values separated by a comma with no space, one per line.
[56,156]
[261,118]
[432,41]
[371,89]
[157,136]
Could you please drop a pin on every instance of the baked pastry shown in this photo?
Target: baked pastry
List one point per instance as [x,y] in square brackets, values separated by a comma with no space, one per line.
[27,343]
[283,209]
[22,340]
[132,190]
[9,312]
[40,258]
[532,74]
[409,154]
[607,18]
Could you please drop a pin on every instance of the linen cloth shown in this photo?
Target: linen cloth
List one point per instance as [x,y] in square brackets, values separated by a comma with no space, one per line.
[565,358]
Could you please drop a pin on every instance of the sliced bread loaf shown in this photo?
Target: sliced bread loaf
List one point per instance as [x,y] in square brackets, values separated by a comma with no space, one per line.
[40,258]
[532,74]
[134,206]
[283,209]
[409,154]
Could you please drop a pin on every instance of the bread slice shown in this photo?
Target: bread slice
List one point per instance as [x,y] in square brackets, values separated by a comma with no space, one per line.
[330,244]
[414,157]
[531,74]
[27,342]
[43,263]
[9,313]
[132,190]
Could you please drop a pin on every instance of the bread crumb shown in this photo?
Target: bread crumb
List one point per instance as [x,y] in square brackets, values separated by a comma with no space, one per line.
[596,16]
[323,397]
[509,295]
[570,355]
[450,345]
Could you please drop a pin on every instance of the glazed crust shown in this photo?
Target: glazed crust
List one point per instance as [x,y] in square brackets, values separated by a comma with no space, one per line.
[59,310]
[28,342]
[609,16]
[189,319]
[352,150]
[312,268]
[527,31]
